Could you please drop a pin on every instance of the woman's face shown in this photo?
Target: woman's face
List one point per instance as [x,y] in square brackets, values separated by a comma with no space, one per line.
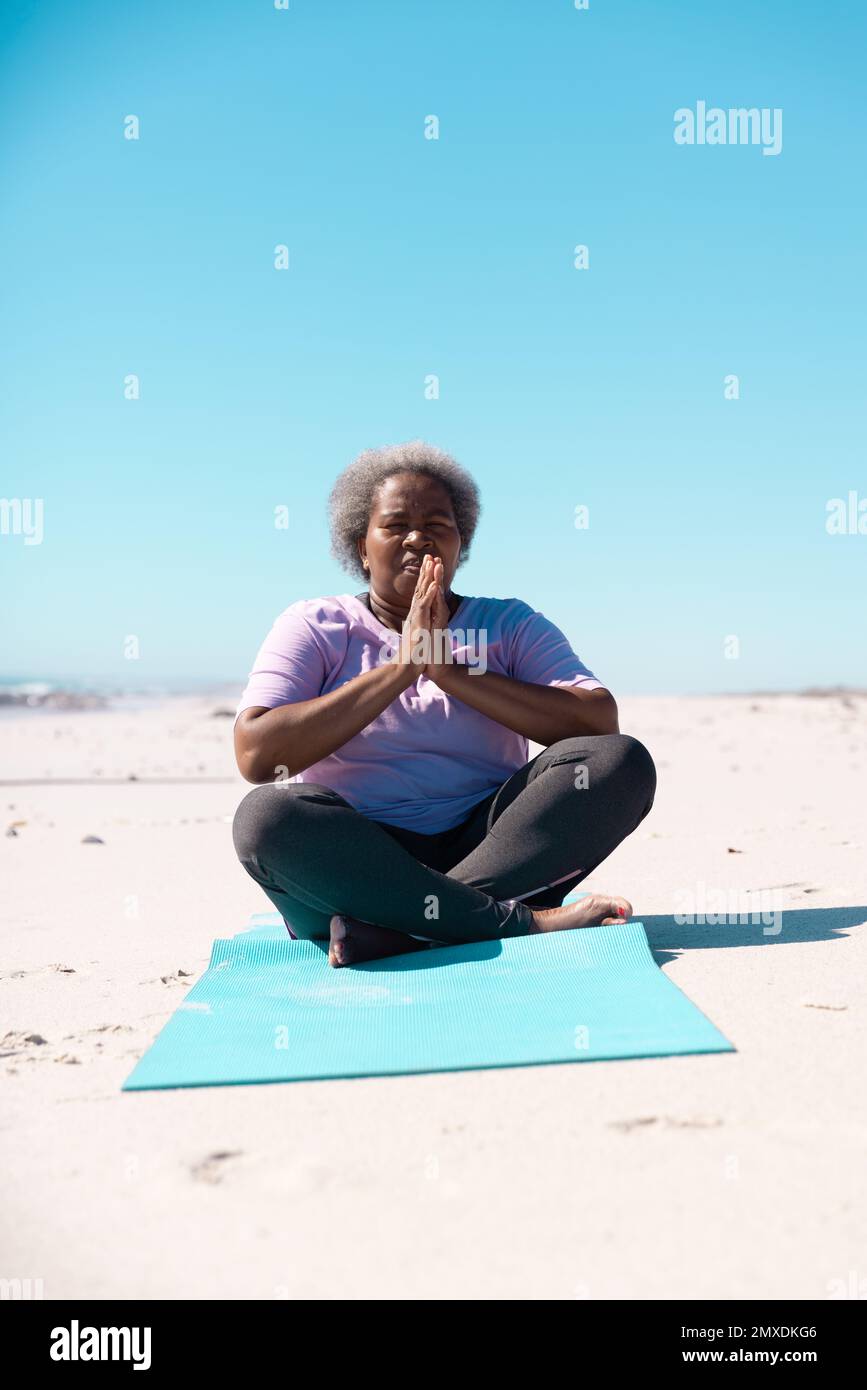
[411,517]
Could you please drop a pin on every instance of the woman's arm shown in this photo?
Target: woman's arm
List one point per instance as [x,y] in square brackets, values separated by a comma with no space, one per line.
[543,713]
[296,736]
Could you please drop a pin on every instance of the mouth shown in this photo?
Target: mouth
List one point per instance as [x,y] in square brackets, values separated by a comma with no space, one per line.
[412,564]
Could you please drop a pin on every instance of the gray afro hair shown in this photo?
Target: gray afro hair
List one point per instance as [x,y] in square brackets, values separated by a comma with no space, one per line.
[352,496]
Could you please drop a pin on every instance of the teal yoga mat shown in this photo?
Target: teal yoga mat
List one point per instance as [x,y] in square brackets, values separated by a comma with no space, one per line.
[272,1009]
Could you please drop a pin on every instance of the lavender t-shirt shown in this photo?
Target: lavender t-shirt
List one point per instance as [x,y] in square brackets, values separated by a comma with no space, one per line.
[428,758]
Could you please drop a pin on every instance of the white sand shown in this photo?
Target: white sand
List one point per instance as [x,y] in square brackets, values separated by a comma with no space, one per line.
[737,1175]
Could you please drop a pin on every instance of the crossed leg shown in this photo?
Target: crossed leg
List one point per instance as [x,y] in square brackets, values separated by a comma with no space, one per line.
[556,819]
[362,886]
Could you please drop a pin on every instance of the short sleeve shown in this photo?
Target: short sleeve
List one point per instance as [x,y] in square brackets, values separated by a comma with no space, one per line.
[289,666]
[540,654]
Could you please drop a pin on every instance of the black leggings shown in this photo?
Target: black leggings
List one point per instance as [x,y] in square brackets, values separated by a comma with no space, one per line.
[525,845]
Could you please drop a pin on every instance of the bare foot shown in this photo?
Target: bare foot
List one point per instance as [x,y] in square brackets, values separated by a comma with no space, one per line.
[353,942]
[596,910]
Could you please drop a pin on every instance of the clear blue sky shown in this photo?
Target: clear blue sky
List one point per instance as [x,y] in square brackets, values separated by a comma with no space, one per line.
[411,256]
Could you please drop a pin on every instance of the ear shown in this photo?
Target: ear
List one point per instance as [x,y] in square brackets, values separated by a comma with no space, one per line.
[362,556]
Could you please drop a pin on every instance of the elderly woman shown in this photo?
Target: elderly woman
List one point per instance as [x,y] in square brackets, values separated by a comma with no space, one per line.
[388,730]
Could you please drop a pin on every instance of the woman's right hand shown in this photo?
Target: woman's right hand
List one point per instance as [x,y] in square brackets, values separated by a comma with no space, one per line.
[273,744]
[415,637]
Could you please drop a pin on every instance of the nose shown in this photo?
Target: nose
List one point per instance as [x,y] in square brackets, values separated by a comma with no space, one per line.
[416,543]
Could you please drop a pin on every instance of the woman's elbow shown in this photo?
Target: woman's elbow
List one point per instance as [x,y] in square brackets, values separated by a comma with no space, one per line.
[609,715]
[250,765]
[257,767]
[248,754]
[252,772]
[597,713]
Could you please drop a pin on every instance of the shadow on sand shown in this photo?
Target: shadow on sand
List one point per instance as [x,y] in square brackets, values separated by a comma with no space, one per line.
[668,937]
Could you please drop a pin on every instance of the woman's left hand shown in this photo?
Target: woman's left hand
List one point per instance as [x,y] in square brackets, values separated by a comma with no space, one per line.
[440,618]
[439,612]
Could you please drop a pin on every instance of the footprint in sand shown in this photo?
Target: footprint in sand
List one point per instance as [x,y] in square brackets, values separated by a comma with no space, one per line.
[669,1121]
[18,1044]
[211,1169]
[40,970]
[99,1035]
[33,1047]
[29,1046]
[177,977]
